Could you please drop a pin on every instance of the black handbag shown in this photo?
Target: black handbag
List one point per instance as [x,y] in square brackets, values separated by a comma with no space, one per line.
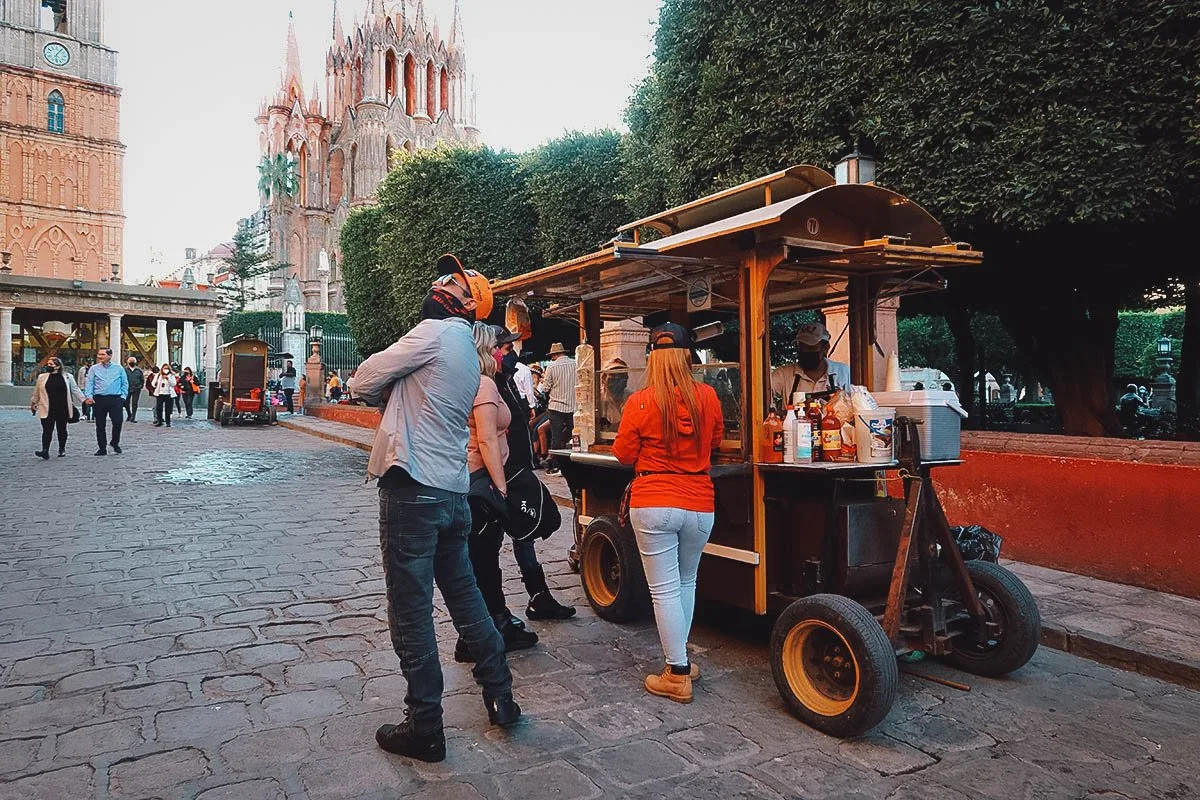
[74,414]
[528,512]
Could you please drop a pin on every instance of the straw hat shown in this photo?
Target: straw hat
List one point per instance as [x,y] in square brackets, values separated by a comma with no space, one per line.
[557,349]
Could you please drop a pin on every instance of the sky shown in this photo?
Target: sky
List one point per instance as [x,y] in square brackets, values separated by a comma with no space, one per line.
[194,73]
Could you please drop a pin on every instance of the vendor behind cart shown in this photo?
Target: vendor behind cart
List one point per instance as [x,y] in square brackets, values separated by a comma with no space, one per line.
[813,368]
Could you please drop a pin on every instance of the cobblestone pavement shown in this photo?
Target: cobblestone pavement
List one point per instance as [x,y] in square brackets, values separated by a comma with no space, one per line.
[201,617]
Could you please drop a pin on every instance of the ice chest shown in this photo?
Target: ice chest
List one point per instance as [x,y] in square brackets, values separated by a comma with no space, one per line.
[940,416]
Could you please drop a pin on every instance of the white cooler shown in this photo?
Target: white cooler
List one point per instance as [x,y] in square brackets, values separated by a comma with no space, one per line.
[941,416]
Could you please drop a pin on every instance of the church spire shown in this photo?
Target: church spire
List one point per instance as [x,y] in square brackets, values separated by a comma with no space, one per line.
[291,79]
[420,23]
[456,27]
[375,12]
[339,38]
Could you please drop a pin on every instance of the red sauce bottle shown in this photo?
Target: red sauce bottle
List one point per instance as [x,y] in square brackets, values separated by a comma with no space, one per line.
[773,439]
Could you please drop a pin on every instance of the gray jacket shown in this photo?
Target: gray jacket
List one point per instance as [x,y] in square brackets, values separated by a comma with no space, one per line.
[428,381]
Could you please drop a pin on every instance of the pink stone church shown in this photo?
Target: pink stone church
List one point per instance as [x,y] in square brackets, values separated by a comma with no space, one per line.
[392,84]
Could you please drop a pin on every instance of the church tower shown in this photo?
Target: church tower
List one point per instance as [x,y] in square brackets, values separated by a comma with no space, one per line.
[60,153]
[392,84]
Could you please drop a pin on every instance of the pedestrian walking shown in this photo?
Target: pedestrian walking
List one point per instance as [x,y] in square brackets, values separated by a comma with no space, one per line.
[668,432]
[333,389]
[105,390]
[163,386]
[137,381]
[288,379]
[558,382]
[178,389]
[188,389]
[56,401]
[81,380]
[420,457]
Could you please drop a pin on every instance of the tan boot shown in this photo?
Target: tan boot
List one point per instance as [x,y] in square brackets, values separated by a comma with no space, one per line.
[671,686]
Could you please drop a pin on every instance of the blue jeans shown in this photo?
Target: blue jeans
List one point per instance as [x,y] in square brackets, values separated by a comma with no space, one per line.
[423,537]
[671,541]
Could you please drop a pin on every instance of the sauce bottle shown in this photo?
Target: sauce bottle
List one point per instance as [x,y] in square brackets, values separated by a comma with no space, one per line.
[831,435]
[772,439]
[814,420]
[789,436]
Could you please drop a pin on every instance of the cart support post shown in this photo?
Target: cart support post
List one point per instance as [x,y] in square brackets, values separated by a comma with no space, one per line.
[898,589]
[757,344]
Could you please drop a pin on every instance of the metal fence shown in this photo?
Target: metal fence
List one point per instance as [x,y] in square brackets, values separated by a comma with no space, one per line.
[338,350]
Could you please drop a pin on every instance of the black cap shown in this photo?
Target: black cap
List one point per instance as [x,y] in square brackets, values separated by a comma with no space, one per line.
[670,336]
[504,335]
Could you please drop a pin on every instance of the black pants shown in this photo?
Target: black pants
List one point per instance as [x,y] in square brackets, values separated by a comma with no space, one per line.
[163,411]
[106,407]
[561,426]
[287,400]
[49,424]
[131,405]
[188,399]
[177,406]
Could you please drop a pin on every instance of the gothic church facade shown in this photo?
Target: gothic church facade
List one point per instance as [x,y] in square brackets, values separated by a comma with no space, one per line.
[392,84]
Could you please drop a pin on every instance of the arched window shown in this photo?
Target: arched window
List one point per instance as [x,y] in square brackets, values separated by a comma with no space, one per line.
[302,175]
[410,85]
[390,77]
[56,113]
[445,89]
[430,92]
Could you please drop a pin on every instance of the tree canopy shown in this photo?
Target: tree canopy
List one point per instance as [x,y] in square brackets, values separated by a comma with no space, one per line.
[245,263]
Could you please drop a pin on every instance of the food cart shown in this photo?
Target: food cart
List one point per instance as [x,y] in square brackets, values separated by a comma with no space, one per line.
[855,577]
[244,396]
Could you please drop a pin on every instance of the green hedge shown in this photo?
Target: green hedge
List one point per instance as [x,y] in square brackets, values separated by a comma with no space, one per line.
[243,322]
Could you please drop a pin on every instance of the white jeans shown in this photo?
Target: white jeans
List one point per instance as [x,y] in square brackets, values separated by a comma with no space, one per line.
[671,541]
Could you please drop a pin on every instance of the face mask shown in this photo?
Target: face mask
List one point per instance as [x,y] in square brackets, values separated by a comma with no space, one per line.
[499,360]
[440,304]
[808,360]
[508,364]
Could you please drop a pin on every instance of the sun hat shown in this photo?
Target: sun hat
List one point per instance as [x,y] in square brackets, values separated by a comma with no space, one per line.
[557,349]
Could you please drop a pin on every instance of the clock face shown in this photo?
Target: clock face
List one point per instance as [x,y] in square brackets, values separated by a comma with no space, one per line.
[56,54]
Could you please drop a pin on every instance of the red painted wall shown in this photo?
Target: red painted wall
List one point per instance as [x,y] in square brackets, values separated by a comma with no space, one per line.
[361,416]
[1126,521]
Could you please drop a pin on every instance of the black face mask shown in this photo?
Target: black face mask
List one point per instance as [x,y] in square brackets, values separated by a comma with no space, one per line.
[443,305]
[508,364]
[809,361]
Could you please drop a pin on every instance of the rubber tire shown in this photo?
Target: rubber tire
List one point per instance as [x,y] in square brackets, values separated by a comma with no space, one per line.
[226,416]
[1023,623]
[879,675]
[218,407]
[631,599]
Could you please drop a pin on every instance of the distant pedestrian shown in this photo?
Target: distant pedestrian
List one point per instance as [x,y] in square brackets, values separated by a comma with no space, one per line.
[188,389]
[56,401]
[559,382]
[137,381]
[428,381]
[81,380]
[178,389]
[164,384]
[333,389]
[288,379]
[105,390]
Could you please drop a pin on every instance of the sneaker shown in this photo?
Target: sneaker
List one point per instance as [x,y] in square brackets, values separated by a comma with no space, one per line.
[543,606]
[404,741]
[116,448]
[157,424]
[671,686]
[62,453]
[100,453]
[502,711]
[42,454]
[516,638]
[552,471]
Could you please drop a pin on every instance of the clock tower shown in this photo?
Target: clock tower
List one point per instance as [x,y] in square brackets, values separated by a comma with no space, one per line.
[60,152]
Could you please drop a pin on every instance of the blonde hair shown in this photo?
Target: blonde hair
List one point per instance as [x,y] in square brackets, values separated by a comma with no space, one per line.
[485,346]
[669,372]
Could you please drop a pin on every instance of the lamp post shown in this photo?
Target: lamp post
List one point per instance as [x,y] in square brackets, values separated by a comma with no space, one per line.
[5,259]
[116,273]
[1164,384]
[855,167]
[314,371]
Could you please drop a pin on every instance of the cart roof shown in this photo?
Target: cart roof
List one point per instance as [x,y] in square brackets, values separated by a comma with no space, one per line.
[826,235]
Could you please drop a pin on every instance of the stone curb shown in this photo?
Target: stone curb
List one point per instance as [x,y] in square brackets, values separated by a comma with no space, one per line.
[1092,646]
[1114,653]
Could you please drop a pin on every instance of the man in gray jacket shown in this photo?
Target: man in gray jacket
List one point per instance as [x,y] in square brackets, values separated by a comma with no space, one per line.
[428,382]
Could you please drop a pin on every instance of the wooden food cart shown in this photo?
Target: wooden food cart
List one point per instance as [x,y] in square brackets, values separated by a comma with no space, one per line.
[855,578]
[244,396]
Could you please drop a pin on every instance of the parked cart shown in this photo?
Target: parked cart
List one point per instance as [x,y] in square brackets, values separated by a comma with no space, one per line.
[244,397]
[853,577]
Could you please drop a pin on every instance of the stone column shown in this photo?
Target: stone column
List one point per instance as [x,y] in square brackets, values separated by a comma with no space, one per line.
[114,336]
[6,329]
[314,376]
[210,350]
[189,346]
[162,351]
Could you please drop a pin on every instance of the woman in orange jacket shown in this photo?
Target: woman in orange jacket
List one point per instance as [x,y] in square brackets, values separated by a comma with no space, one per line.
[668,431]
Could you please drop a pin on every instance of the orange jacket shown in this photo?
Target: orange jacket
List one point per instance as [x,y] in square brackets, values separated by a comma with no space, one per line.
[640,442]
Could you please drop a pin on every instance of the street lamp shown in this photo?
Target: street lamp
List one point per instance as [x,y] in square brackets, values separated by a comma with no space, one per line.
[1164,347]
[316,333]
[855,167]
[5,258]
[116,273]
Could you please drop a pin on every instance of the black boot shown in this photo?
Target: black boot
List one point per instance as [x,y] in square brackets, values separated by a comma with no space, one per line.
[542,604]
[502,711]
[514,638]
[404,741]
[43,454]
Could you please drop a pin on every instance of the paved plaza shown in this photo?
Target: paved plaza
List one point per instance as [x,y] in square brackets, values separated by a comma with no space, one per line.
[201,617]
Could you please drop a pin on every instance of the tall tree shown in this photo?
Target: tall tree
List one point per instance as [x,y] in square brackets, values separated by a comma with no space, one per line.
[278,178]
[1062,137]
[244,264]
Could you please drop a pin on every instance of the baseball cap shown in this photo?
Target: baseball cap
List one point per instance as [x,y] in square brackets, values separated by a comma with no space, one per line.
[670,336]
[477,284]
[812,334]
[505,336]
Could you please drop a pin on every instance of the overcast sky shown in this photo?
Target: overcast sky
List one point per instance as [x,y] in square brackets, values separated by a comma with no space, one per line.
[193,75]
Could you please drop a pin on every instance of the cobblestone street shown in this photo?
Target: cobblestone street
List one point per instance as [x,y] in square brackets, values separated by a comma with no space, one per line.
[201,617]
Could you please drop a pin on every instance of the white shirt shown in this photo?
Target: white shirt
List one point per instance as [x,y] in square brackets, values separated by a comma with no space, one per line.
[783,377]
[524,381]
[164,384]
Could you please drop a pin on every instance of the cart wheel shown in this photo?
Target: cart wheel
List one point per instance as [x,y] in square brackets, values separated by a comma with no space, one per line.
[611,572]
[226,416]
[218,406]
[1009,605]
[834,665]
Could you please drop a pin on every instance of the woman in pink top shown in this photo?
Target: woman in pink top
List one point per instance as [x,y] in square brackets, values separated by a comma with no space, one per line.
[487,452]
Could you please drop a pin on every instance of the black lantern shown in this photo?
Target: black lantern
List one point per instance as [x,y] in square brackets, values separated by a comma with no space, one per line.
[1164,346]
[317,333]
[856,167]
[5,258]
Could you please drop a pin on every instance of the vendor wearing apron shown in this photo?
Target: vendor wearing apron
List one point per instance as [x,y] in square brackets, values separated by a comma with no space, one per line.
[813,369]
